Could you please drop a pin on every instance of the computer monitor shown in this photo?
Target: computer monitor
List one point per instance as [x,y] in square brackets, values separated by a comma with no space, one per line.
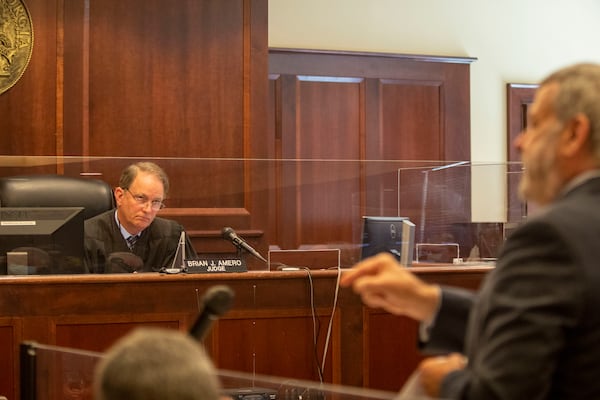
[41,240]
[395,235]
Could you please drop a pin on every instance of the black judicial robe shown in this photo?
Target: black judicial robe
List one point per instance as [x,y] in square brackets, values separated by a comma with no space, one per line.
[106,250]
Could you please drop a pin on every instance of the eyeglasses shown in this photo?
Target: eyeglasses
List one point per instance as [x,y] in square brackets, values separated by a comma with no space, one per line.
[143,200]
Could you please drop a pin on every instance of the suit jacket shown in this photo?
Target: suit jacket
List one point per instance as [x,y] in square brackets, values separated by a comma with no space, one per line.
[533,331]
[106,250]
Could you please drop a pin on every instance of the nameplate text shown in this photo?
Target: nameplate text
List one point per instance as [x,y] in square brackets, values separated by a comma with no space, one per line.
[210,265]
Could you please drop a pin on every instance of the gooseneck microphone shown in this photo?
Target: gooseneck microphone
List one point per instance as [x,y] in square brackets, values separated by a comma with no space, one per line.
[229,234]
[217,301]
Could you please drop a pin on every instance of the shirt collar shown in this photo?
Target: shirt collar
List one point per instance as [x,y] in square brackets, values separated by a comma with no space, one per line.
[124,231]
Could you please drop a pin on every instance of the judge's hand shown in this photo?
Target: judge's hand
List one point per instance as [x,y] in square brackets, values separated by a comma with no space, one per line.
[433,371]
[383,283]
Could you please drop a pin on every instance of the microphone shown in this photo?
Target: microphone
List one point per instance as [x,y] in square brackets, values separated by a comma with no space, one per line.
[229,234]
[217,301]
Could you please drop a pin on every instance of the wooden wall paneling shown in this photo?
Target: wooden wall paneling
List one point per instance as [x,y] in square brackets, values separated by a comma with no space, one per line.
[256,140]
[9,340]
[408,108]
[75,82]
[146,79]
[353,348]
[329,129]
[409,127]
[274,122]
[154,75]
[99,332]
[390,341]
[372,179]
[268,330]
[453,72]
[456,97]
[285,186]
[411,111]
[393,360]
[253,342]
[28,110]
[149,80]
[519,98]
[321,125]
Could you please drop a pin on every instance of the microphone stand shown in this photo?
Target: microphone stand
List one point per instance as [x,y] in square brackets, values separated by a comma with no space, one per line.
[178,264]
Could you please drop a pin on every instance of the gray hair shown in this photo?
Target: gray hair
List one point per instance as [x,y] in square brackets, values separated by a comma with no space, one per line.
[156,364]
[579,92]
[130,172]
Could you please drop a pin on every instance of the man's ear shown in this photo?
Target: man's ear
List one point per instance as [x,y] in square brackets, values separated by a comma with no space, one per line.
[118,192]
[576,135]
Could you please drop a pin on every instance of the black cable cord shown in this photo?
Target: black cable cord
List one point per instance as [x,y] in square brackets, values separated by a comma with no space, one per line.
[316,326]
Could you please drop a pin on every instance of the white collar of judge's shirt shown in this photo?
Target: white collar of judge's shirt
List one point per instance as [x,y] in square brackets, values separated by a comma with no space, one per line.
[124,231]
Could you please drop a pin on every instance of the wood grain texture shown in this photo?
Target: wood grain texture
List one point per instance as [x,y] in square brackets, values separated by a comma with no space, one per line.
[269,329]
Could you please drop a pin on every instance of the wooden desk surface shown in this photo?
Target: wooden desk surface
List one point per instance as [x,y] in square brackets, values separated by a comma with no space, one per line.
[269,329]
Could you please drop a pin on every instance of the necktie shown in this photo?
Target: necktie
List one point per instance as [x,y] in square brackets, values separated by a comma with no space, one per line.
[131,241]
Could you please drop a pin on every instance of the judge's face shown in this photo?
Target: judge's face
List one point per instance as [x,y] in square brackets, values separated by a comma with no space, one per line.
[539,146]
[138,204]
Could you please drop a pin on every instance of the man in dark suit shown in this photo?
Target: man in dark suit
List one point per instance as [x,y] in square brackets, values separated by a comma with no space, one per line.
[132,238]
[533,330]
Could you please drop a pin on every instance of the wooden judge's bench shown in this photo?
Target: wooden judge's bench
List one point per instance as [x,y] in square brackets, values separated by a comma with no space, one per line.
[269,329]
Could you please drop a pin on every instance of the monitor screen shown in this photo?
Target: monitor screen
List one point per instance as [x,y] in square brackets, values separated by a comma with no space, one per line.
[41,240]
[394,235]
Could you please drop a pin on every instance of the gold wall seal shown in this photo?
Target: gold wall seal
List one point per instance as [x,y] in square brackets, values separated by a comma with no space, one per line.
[16,42]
